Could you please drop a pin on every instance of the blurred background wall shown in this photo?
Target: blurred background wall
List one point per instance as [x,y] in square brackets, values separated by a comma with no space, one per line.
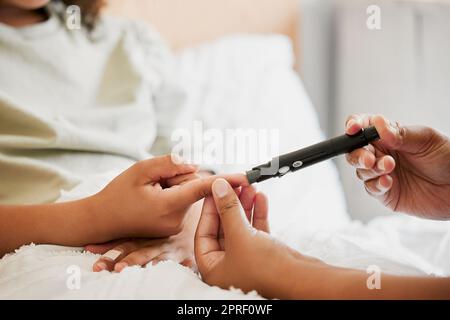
[401,70]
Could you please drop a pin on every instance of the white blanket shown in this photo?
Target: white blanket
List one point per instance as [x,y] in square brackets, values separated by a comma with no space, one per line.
[397,245]
[231,78]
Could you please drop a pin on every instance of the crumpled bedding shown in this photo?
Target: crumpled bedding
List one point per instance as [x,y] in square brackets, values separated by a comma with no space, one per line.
[397,245]
[307,210]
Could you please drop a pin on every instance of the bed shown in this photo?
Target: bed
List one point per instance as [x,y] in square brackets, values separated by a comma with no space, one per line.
[222,69]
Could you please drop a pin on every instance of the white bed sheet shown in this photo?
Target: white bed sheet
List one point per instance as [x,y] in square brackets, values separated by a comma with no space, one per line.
[226,82]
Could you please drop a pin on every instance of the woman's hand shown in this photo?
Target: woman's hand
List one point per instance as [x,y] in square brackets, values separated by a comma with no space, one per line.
[144,201]
[231,252]
[408,169]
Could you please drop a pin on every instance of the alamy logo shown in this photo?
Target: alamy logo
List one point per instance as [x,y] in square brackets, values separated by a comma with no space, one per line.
[374,280]
[73,281]
[73,17]
[374,17]
[215,146]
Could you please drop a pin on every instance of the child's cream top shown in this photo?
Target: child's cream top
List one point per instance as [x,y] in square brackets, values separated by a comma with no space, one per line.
[74,103]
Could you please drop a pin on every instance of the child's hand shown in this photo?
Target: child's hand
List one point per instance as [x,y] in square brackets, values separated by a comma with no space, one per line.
[117,255]
[141,202]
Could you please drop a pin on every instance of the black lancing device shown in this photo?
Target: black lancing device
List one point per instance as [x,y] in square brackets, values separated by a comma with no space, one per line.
[306,157]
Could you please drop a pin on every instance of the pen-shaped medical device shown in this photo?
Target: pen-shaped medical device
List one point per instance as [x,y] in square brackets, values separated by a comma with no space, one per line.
[306,157]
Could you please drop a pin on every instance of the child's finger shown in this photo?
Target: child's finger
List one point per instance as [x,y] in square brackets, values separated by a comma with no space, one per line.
[188,262]
[162,257]
[182,179]
[185,195]
[247,198]
[103,247]
[261,213]
[156,169]
[139,257]
[108,260]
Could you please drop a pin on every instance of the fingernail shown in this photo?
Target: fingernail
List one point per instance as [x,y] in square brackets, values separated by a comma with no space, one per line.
[112,255]
[120,266]
[220,188]
[380,186]
[350,123]
[362,163]
[380,165]
[100,266]
[155,262]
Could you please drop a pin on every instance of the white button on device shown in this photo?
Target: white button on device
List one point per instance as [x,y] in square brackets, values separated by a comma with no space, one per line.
[297,164]
[284,170]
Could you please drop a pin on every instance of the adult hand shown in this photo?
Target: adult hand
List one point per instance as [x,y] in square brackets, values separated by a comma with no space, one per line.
[232,252]
[408,170]
[117,255]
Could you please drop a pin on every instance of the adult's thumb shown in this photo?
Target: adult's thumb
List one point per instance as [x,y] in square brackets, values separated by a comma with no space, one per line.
[232,215]
[412,139]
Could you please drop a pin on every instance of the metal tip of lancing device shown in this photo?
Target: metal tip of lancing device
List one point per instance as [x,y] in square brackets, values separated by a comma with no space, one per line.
[253,176]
